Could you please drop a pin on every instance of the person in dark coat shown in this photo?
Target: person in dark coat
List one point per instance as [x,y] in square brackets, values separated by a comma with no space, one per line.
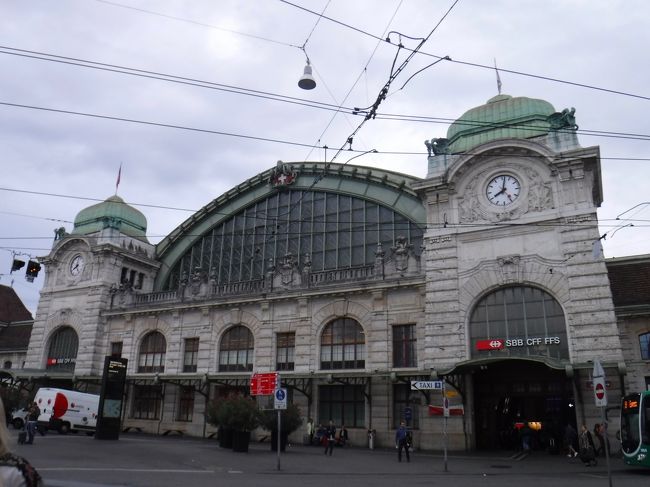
[587,449]
[330,435]
[402,437]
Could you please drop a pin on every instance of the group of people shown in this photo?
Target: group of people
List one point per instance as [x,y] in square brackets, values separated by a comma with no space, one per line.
[15,471]
[327,436]
[587,449]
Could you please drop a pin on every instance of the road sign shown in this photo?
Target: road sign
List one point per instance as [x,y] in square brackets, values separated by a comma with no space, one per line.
[264,384]
[408,414]
[445,407]
[418,385]
[600,391]
[280,399]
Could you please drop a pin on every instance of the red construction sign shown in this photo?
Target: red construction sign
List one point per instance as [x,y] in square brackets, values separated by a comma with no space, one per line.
[264,384]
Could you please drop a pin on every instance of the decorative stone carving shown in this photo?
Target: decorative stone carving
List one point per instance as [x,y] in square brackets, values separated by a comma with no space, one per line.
[283,175]
[59,233]
[539,194]
[510,268]
[563,120]
[469,207]
[401,252]
[437,146]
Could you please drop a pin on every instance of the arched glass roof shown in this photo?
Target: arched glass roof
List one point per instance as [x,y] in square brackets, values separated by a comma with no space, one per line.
[334,223]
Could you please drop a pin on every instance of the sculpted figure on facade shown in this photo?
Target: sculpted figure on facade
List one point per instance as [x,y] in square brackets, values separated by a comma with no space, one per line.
[401,253]
[59,233]
[469,206]
[437,146]
[563,120]
[539,194]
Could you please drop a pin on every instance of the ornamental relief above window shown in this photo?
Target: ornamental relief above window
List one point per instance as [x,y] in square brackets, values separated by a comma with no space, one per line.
[503,193]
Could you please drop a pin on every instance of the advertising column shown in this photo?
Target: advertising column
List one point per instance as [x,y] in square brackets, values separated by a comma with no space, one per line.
[110,401]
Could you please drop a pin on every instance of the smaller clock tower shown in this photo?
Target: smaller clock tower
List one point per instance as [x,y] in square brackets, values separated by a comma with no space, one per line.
[106,254]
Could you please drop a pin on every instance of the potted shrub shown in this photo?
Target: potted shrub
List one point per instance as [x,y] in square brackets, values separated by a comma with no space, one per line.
[290,421]
[236,416]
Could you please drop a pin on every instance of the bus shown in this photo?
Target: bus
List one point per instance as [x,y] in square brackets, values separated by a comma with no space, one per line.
[635,429]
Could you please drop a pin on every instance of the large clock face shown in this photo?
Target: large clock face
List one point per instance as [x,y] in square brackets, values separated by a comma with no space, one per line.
[503,190]
[77,265]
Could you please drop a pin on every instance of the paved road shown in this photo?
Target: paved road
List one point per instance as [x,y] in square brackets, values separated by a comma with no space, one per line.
[142,460]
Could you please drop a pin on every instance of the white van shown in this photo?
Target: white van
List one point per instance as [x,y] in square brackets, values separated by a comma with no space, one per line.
[65,411]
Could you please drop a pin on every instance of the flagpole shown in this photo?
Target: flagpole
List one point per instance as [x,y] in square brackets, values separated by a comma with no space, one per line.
[498,77]
[119,175]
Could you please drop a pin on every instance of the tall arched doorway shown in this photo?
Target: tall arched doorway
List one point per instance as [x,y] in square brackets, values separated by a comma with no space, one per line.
[513,395]
[519,351]
[62,352]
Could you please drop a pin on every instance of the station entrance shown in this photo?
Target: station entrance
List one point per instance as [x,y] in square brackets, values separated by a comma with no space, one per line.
[519,397]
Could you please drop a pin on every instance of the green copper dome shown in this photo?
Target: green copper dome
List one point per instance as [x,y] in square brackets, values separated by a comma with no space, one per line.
[502,117]
[114,213]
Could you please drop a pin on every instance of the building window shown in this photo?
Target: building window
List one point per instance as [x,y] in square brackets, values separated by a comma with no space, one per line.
[62,353]
[7,364]
[191,355]
[336,230]
[518,321]
[342,345]
[404,346]
[406,406]
[344,405]
[140,281]
[185,403]
[152,353]
[146,402]
[286,343]
[116,349]
[236,350]
[644,342]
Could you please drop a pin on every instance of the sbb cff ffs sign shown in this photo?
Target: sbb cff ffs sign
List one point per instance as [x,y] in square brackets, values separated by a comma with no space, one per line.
[264,384]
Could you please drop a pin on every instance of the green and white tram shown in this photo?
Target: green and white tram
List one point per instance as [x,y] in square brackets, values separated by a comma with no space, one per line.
[635,429]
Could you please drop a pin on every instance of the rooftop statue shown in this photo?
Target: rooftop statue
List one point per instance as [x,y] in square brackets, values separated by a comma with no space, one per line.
[437,146]
[563,120]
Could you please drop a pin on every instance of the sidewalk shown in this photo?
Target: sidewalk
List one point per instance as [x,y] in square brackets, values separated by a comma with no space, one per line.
[144,460]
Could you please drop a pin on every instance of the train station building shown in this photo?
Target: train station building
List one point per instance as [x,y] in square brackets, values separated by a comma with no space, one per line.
[352,282]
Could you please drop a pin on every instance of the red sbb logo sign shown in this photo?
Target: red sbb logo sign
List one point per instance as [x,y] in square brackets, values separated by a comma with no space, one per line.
[493,344]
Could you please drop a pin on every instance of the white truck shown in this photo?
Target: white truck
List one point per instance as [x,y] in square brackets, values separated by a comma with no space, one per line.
[64,411]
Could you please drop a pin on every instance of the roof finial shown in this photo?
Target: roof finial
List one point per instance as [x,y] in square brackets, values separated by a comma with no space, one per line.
[498,77]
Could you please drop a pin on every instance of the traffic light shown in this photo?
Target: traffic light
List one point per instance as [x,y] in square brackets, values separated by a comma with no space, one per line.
[33,269]
[17,265]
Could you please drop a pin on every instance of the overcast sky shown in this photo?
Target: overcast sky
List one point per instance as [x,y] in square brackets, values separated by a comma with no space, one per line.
[255,45]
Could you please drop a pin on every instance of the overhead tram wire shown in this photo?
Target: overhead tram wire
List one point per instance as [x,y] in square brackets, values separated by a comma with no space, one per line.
[363,71]
[478,65]
[263,139]
[268,95]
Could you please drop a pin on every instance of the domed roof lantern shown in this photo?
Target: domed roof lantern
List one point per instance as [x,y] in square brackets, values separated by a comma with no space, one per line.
[502,117]
[115,213]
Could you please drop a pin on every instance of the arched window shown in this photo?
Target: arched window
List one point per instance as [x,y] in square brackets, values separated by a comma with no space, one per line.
[236,350]
[644,342]
[152,353]
[520,321]
[62,354]
[342,345]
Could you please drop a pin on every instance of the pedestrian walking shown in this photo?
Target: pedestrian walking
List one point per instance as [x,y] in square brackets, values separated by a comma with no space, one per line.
[32,421]
[15,471]
[402,441]
[330,435]
[587,449]
[570,440]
